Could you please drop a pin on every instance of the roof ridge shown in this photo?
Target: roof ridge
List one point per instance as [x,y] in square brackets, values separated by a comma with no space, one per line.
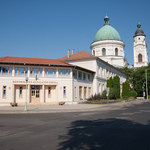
[31,60]
[79,55]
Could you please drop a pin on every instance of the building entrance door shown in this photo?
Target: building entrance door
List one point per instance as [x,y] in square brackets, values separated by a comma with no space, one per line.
[35,93]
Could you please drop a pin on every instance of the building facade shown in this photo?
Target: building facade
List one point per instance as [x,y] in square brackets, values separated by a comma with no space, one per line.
[70,79]
[102,70]
[47,80]
[140,48]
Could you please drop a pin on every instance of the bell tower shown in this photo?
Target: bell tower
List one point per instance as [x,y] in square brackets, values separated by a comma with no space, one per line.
[140,48]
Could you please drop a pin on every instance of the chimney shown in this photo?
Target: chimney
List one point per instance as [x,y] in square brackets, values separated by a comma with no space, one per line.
[72,51]
[68,55]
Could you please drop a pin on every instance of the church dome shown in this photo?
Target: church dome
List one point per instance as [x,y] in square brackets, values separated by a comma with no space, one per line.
[107,32]
[139,31]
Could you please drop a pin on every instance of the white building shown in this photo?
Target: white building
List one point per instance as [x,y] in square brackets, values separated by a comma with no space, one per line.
[108,46]
[102,70]
[71,79]
[140,48]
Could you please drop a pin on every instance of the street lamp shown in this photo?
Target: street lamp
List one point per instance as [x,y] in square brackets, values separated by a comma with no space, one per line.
[143,90]
[146,83]
[26,79]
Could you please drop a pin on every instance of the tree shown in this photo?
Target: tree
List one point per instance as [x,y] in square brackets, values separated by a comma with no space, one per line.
[129,75]
[125,89]
[116,85]
[110,82]
[136,78]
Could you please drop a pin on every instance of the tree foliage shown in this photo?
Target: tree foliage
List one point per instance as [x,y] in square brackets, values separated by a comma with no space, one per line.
[129,74]
[125,90]
[114,85]
[136,77]
[110,82]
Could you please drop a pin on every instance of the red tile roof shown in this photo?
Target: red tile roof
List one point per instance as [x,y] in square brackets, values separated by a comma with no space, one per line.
[77,56]
[9,59]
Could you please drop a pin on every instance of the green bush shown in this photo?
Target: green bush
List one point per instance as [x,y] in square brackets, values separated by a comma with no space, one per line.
[133,94]
[148,96]
[96,97]
[113,93]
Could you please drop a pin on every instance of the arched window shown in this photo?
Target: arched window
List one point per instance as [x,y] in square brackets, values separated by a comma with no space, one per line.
[93,52]
[103,52]
[100,90]
[140,58]
[116,51]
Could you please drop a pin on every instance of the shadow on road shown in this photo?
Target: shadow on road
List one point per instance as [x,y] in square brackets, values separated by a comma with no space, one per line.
[106,134]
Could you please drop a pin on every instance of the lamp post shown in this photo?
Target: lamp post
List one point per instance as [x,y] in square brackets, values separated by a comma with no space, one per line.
[26,79]
[143,91]
[146,83]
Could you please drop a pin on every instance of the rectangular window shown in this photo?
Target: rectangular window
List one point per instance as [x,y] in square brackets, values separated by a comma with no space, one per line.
[31,73]
[68,72]
[88,77]
[45,72]
[89,91]
[59,72]
[102,72]
[85,92]
[64,91]
[10,71]
[80,92]
[74,74]
[5,71]
[80,75]
[54,72]
[36,72]
[50,72]
[64,73]
[20,92]
[40,72]
[26,71]
[4,91]
[75,91]
[21,71]
[49,92]
[84,76]
[16,73]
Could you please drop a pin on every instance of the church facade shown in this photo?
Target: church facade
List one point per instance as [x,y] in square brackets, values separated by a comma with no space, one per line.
[108,45]
[140,48]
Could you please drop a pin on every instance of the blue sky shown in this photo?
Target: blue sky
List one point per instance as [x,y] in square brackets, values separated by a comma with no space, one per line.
[47,29]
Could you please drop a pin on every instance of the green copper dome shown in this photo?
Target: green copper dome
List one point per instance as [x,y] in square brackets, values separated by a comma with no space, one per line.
[107,32]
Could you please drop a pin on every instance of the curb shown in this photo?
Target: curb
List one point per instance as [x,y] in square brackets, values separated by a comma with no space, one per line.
[105,107]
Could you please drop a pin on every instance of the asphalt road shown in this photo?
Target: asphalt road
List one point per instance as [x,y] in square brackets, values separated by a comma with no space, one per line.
[126,128]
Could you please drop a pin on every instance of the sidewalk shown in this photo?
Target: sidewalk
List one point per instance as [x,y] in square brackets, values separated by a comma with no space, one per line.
[66,108]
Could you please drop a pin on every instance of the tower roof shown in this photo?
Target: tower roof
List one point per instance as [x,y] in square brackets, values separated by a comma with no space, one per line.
[139,31]
[107,32]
